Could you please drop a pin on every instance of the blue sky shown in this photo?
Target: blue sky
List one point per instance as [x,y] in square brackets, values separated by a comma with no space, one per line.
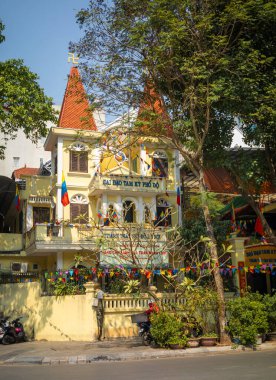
[39,31]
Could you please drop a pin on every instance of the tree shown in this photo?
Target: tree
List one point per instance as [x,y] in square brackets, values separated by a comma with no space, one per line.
[23,104]
[146,249]
[198,61]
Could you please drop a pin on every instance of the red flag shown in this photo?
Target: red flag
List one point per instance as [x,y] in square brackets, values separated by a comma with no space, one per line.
[259,227]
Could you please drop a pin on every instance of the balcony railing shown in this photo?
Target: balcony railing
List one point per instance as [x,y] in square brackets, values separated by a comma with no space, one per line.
[10,242]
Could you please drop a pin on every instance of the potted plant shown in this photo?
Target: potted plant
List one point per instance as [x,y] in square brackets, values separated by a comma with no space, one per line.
[193,342]
[209,339]
[177,342]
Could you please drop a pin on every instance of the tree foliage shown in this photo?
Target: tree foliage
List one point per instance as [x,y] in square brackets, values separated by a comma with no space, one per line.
[198,59]
[23,104]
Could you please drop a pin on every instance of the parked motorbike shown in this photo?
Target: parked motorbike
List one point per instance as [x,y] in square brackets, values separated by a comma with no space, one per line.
[144,332]
[3,326]
[14,332]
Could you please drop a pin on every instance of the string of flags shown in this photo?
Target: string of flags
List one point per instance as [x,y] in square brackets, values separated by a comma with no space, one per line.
[120,270]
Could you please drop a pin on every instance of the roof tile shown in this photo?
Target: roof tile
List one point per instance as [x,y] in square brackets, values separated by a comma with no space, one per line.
[75,112]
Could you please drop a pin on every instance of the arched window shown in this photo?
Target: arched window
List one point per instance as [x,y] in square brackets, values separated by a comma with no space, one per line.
[163,213]
[79,157]
[159,164]
[147,214]
[79,209]
[129,211]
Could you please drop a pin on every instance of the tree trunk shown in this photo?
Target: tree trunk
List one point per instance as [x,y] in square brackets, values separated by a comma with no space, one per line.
[268,231]
[224,338]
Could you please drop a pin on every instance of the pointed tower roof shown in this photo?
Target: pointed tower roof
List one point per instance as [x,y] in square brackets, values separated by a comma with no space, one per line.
[151,101]
[152,110]
[75,112]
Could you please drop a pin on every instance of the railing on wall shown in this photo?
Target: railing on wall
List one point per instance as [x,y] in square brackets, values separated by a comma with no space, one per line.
[116,302]
[10,277]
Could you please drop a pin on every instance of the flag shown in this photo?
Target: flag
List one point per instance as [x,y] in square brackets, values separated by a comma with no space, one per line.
[178,199]
[233,219]
[259,227]
[17,199]
[64,192]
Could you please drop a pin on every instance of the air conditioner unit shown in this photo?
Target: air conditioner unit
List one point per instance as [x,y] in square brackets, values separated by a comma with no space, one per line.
[19,267]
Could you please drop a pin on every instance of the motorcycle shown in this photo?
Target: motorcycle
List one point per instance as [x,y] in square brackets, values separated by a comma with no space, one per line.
[144,332]
[3,326]
[14,332]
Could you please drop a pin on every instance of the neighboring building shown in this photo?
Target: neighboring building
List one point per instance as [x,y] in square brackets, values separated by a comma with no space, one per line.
[137,186]
[22,152]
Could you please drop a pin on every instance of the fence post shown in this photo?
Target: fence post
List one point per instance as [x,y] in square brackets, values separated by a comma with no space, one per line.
[91,289]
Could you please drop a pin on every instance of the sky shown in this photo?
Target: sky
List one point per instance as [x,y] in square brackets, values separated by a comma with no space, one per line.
[39,32]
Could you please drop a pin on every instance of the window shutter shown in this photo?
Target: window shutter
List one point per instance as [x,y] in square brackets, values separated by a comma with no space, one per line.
[79,162]
[73,162]
[84,212]
[83,162]
[76,210]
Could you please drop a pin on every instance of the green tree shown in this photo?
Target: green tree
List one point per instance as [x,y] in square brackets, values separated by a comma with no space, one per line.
[198,61]
[23,104]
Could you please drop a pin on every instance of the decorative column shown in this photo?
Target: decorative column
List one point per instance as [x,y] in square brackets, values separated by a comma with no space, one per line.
[143,156]
[140,210]
[91,310]
[153,208]
[104,205]
[238,261]
[59,260]
[119,208]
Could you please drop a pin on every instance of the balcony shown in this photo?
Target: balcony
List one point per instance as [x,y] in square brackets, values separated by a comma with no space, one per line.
[10,243]
[45,238]
[126,184]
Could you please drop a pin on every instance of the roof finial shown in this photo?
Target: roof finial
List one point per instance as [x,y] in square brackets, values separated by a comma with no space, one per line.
[72,58]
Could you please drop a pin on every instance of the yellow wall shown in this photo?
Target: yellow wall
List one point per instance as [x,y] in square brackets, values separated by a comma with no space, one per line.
[10,242]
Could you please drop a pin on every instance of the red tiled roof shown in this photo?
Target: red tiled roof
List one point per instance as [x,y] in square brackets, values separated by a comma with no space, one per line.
[75,112]
[152,102]
[219,180]
[23,171]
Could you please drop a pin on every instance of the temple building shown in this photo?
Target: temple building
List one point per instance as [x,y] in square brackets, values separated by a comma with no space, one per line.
[97,186]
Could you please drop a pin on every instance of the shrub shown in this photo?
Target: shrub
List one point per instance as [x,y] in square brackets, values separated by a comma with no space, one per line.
[247,318]
[166,327]
[270,307]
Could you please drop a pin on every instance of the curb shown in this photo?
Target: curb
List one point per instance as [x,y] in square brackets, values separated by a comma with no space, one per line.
[127,355]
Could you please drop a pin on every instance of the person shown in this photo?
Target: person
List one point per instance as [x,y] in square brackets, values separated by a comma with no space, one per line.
[153,308]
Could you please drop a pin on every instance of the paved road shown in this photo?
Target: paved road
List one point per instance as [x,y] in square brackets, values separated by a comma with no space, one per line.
[231,366]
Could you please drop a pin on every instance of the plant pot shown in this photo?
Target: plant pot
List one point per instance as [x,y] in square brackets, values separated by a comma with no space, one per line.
[271,336]
[193,342]
[208,341]
[176,346]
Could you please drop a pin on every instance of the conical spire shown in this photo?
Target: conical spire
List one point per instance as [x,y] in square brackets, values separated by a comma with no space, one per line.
[75,112]
[151,101]
[152,111]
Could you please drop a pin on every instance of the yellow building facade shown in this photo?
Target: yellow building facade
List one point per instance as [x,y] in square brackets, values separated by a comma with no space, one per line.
[109,185]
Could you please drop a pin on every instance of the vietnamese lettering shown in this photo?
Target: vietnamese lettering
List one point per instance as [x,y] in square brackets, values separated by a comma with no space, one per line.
[117,182]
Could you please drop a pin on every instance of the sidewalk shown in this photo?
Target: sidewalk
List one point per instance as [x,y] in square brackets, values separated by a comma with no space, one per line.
[86,352]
